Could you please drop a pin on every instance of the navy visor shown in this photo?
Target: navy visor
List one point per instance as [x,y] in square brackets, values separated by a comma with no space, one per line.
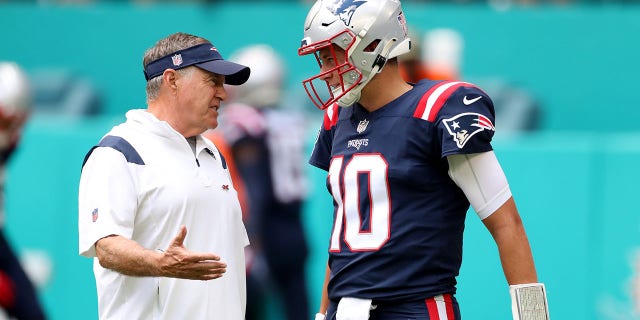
[204,56]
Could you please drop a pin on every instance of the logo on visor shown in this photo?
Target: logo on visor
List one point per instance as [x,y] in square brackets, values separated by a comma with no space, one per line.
[345,9]
[176,59]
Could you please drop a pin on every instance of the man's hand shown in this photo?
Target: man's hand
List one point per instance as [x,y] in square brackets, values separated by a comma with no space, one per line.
[178,262]
[130,258]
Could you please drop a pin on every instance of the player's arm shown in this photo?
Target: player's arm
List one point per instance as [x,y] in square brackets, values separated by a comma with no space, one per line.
[324,300]
[128,257]
[508,232]
[482,180]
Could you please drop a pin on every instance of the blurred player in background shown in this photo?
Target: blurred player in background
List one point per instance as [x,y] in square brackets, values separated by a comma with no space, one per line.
[266,145]
[18,297]
[437,55]
[405,162]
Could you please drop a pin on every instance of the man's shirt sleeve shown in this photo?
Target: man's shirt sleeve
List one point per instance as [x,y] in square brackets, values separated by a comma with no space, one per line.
[106,200]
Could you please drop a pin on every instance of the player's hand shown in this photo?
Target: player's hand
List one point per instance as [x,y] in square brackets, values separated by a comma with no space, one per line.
[353,309]
[178,262]
[320,316]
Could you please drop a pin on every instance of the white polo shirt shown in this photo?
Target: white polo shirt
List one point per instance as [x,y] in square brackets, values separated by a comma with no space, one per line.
[147,198]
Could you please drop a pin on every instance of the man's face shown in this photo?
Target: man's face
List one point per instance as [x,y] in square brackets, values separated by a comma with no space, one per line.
[199,96]
[329,58]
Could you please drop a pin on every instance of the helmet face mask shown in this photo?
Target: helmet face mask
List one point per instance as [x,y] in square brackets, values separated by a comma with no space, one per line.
[348,74]
[370,32]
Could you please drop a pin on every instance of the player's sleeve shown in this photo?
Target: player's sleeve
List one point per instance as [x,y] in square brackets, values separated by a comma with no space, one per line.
[465,120]
[106,199]
[321,154]
[482,180]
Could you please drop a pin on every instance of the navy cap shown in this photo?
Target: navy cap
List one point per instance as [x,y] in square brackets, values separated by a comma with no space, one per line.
[204,56]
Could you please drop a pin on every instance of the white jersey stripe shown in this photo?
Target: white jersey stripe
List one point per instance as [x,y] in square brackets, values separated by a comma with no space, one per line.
[442,307]
[431,101]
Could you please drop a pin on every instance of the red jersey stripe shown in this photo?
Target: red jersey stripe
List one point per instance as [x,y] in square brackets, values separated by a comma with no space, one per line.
[448,301]
[331,116]
[441,99]
[433,100]
[432,308]
[422,104]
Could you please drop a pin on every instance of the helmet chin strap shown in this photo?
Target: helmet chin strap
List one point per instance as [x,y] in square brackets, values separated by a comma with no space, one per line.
[354,94]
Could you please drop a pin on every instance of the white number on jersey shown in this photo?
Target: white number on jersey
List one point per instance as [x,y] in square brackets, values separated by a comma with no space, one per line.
[376,167]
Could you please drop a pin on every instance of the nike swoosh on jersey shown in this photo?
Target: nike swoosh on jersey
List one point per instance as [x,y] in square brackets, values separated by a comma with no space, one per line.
[470,101]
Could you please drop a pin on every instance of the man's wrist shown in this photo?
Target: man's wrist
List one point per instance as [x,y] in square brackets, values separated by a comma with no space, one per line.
[529,301]
[320,316]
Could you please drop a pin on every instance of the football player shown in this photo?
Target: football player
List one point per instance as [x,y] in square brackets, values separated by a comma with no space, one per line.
[18,296]
[405,161]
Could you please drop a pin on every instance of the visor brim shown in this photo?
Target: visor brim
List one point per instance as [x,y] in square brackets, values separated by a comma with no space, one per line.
[235,74]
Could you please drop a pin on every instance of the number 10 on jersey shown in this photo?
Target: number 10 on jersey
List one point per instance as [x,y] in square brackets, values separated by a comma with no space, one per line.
[364,172]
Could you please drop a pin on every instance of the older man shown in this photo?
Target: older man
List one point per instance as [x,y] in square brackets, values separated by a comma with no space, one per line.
[157,208]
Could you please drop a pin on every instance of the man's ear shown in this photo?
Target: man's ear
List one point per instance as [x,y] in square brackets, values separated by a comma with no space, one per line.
[170,76]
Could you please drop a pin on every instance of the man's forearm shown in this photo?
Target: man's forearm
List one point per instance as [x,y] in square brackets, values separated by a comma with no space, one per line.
[127,257]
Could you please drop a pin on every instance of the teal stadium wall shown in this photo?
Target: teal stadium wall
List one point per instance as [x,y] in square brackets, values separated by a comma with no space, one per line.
[575,180]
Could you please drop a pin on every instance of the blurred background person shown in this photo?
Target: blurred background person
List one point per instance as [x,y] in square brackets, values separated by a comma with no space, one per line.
[437,55]
[18,296]
[265,144]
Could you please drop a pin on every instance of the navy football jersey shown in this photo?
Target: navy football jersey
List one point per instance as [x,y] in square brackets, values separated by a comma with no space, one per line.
[398,216]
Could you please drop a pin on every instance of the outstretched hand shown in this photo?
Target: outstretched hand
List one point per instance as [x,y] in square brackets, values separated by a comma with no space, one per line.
[178,262]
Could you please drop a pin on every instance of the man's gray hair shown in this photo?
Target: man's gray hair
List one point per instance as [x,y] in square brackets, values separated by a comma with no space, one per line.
[165,46]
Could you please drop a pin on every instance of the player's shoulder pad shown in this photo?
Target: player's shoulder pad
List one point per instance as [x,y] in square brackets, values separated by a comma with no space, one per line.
[331,115]
[118,144]
[437,95]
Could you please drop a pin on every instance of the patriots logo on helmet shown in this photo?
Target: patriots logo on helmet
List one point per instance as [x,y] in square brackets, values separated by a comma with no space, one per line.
[344,9]
[465,125]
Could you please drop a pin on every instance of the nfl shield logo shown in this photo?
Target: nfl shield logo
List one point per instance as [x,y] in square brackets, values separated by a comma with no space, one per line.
[94,215]
[362,126]
[177,59]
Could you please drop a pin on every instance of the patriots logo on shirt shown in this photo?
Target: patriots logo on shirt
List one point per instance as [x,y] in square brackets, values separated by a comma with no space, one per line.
[344,9]
[463,126]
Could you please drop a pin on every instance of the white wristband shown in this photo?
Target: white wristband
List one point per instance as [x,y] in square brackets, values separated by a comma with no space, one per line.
[529,301]
[320,316]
